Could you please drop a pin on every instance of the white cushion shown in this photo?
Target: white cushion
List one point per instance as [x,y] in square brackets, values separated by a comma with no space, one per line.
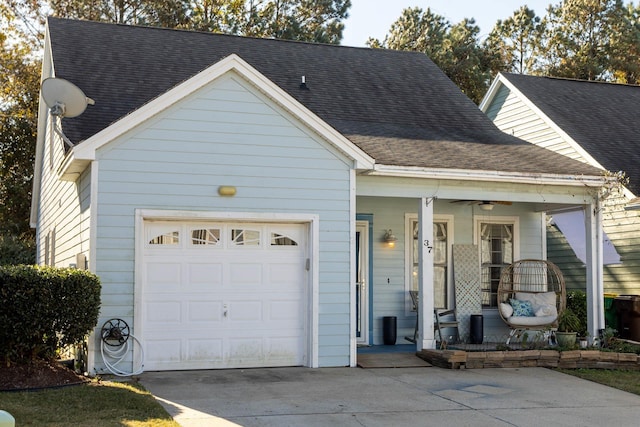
[506,310]
[538,300]
[531,321]
[547,310]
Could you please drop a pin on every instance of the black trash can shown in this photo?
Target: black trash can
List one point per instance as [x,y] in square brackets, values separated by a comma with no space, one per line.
[477,329]
[389,330]
[628,311]
[610,315]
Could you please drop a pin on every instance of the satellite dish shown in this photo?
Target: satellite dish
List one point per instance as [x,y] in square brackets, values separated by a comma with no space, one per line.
[64,98]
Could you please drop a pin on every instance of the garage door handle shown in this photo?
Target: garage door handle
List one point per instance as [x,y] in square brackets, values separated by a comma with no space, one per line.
[225,311]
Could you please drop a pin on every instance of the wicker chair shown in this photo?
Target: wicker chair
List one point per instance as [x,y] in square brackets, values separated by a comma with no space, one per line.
[531,295]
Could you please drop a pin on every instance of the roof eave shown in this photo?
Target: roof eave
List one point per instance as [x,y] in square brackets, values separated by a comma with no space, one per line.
[491,92]
[592,181]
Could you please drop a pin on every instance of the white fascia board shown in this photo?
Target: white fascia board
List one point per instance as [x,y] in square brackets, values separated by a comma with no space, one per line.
[490,176]
[43,112]
[87,150]
[491,93]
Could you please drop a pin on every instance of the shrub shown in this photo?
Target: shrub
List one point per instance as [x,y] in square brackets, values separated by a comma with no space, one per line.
[577,302]
[17,249]
[44,308]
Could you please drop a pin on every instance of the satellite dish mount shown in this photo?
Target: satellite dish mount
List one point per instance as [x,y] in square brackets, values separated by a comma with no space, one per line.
[64,99]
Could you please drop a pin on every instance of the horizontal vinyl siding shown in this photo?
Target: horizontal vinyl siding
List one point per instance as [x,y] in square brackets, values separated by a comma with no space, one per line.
[560,253]
[227,134]
[387,283]
[531,237]
[623,229]
[64,209]
[511,115]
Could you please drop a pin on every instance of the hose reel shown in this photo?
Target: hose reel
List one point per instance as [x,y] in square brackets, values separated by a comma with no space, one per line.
[115,332]
[116,346]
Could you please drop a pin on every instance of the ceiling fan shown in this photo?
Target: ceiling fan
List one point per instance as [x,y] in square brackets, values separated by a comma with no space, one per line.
[485,205]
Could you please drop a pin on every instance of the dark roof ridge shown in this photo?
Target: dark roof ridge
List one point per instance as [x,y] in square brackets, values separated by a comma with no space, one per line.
[572,79]
[272,39]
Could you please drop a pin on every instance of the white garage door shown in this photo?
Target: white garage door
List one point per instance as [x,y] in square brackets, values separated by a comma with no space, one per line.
[223,295]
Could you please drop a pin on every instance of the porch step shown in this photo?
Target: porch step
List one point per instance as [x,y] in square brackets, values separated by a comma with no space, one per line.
[391,360]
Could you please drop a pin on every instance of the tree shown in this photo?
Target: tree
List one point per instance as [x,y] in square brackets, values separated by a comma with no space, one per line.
[218,16]
[467,63]
[418,31]
[454,49]
[579,37]
[515,41]
[318,21]
[625,47]
[306,20]
[19,89]
[158,13]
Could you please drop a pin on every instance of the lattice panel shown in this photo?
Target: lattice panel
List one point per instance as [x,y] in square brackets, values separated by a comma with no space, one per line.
[466,278]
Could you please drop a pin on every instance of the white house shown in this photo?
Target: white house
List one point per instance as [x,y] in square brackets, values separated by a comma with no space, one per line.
[236,196]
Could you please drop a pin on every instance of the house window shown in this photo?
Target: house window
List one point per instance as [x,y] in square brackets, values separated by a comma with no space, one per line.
[169,238]
[497,246]
[441,245]
[205,236]
[245,237]
[281,240]
[49,248]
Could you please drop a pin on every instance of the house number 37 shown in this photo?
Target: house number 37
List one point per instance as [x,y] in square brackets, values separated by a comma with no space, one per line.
[428,245]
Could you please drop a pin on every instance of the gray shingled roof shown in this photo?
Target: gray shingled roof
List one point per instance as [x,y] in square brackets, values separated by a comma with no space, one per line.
[396,106]
[604,118]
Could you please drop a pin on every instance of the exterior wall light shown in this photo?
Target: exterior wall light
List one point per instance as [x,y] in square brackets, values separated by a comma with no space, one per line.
[390,239]
[227,190]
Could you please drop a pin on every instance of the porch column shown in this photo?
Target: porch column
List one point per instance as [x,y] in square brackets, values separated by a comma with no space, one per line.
[595,286]
[426,338]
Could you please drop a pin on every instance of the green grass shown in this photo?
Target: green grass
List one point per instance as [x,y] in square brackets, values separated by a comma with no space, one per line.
[620,379]
[97,404]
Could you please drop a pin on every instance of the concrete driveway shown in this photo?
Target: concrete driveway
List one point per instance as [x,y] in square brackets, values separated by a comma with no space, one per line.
[389,397]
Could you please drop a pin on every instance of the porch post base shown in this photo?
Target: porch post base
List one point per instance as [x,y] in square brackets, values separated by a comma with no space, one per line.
[428,344]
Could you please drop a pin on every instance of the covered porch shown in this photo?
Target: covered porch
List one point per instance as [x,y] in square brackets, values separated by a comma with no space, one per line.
[406,228]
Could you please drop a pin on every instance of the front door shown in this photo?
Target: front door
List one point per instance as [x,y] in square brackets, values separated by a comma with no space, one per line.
[362,282]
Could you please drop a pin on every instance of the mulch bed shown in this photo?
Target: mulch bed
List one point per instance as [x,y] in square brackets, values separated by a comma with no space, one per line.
[37,374]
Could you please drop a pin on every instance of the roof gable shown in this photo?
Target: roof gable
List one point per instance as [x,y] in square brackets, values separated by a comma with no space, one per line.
[233,63]
[397,107]
[601,120]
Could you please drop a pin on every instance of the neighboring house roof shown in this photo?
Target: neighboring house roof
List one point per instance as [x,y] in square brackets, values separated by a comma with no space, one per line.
[602,118]
[397,107]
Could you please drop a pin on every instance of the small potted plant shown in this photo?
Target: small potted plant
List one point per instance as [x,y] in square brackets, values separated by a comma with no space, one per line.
[568,325]
[584,340]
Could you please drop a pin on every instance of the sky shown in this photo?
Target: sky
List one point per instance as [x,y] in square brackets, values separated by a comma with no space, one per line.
[373,18]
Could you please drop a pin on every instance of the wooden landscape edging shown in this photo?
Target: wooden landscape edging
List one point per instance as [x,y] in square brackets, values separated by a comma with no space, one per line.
[591,359]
